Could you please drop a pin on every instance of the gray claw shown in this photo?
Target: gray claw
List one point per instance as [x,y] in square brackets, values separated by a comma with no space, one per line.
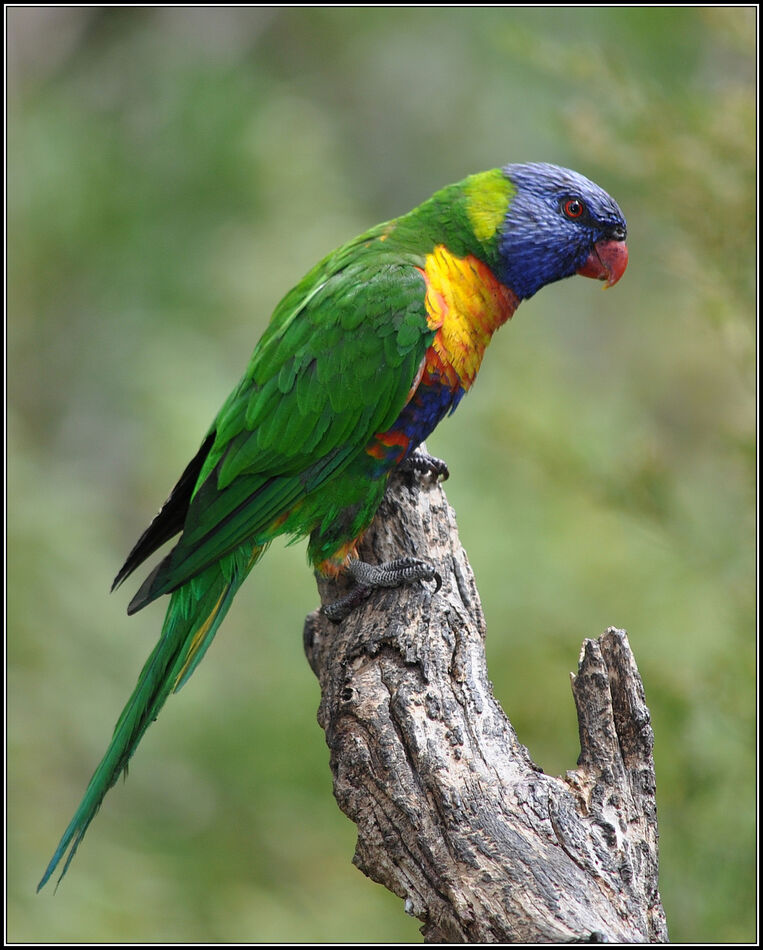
[370,577]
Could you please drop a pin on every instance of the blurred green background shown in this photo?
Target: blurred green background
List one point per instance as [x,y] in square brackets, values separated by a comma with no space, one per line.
[171,173]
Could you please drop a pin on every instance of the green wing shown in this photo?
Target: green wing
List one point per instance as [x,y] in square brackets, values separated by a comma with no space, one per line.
[335,366]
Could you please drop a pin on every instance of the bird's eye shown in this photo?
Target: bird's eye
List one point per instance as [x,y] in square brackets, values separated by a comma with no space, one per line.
[573,208]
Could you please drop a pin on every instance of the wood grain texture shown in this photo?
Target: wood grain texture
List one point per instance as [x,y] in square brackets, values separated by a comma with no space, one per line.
[453,816]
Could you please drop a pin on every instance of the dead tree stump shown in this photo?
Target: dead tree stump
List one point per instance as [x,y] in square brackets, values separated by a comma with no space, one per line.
[453,816]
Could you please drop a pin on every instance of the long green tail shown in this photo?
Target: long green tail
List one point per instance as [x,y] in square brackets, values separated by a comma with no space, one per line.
[193,617]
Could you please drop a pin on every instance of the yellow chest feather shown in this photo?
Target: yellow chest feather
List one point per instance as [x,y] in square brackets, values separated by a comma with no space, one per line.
[466,304]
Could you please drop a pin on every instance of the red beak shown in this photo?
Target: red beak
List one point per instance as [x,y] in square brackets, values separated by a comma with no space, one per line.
[607,261]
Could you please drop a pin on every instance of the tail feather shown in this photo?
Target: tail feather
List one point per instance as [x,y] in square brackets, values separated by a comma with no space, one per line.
[193,617]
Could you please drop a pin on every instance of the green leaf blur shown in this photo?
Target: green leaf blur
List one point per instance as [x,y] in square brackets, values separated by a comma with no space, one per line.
[171,173]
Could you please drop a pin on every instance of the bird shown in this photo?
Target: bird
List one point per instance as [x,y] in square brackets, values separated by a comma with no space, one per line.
[359,363]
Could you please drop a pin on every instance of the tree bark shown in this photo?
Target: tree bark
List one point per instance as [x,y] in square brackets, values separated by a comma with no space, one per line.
[453,816]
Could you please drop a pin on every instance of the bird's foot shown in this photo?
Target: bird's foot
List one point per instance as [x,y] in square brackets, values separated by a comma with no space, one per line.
[371,577]
[422,463]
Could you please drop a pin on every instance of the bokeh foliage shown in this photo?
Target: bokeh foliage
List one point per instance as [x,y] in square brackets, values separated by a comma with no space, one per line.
[171,173]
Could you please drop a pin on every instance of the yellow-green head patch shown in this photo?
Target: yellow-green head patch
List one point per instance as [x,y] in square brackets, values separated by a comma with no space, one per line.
[487,201]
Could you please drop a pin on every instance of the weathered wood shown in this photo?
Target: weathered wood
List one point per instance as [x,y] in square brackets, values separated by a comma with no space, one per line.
[453,816]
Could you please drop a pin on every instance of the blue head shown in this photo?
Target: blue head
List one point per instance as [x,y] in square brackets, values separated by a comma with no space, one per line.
[559,224]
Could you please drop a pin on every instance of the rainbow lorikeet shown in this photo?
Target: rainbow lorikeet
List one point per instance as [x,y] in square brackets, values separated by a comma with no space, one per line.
[360,362]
